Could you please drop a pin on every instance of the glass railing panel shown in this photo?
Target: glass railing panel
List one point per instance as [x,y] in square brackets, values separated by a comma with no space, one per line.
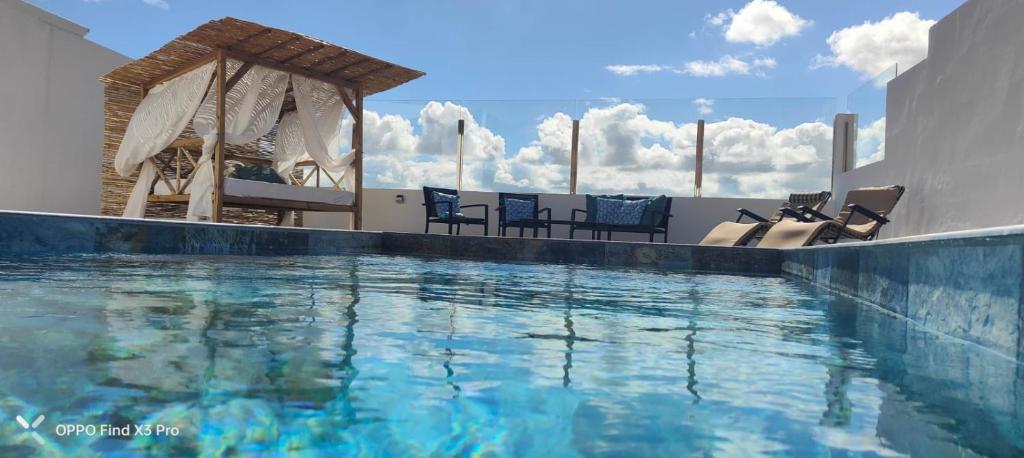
[408,143]
[516,145]
[868,103]
[766,147]
[641,147]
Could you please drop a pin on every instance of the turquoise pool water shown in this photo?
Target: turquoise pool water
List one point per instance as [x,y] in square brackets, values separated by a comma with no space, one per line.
[393,356]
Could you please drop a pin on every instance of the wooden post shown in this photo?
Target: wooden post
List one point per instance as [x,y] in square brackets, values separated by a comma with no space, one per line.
[218,156]
[698,171]
[460,133]
[574,157]
[357,147]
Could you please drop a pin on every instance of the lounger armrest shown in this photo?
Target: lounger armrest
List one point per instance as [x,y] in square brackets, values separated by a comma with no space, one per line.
[786,211]
[751,215]
[815,214]
[866,212]
[544,210]
[574,211]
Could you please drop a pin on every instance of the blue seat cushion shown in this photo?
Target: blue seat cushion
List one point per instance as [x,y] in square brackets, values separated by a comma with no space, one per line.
[621,212]
[442,207]
[518,209]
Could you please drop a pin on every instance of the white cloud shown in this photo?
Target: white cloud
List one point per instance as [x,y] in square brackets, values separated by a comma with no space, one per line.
[760,22]
[629,70]
[728,65]
[622,149]
[704,106]
[873,47]
[871,142]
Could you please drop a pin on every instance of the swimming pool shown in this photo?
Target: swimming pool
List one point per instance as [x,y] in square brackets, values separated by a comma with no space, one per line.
[385,355]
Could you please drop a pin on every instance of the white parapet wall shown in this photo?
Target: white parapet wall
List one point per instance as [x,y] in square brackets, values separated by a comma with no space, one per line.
[385,211]
[51,124]
[955,127]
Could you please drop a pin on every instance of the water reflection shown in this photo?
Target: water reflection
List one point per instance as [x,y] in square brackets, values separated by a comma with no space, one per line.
[262,356]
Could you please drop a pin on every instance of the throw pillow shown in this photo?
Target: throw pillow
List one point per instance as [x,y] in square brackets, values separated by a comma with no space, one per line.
[631,212]
[518,209]
[443,208]
[607,210]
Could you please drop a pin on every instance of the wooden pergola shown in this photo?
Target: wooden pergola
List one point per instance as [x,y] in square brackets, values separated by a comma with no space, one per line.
[354,74]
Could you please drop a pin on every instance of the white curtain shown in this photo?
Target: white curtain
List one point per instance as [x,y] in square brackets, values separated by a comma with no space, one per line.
[158,120]
[252,107]
[313,130]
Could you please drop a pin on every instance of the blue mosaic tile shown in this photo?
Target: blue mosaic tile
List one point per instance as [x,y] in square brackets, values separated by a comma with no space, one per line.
[884,277]
[24,234]
[968,291]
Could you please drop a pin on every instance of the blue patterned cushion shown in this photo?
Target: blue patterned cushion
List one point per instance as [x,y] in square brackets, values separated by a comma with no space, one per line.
[442,208]
[517,209]
[621,212]
[607,210]
[632,211]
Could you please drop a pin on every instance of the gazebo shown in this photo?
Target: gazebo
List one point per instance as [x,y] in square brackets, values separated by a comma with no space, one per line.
[233,93]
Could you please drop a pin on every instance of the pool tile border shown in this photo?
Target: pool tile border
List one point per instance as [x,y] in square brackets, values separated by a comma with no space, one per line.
[971,288]
[48,234]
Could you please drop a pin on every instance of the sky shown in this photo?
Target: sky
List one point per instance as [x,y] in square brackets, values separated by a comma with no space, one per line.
[767,75]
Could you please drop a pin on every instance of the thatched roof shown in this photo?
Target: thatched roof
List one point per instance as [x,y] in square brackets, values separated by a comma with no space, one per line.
[276,48]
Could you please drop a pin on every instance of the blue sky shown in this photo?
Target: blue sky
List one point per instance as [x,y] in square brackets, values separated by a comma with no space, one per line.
[528,49]
[768,75]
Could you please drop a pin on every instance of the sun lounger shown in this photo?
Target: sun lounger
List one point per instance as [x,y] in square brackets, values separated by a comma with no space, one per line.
[738,233]
[862,216]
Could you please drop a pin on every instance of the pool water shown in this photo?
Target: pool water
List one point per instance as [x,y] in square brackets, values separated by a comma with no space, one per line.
[375,355]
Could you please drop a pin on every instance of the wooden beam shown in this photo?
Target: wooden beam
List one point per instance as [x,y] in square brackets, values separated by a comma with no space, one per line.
[349,65]
[274,65]
[348,102]
[305,52]
[574,156]
[357,147]
[375,69]
[237,76]
[328,59]
[277,46]
[460,132]
[698,169]
[241,41]
[218,157]
[180,71]
[260,202]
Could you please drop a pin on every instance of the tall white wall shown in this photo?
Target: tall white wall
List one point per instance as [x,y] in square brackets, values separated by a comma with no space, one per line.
[51,120]
[955,126]
[692,220]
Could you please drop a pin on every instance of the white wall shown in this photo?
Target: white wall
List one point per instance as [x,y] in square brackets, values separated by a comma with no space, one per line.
[51,121]
[693,218]
[955,126]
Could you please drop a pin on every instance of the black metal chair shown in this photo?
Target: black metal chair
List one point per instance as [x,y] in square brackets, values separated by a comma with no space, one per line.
[660,225]
[535,222]
[456,220]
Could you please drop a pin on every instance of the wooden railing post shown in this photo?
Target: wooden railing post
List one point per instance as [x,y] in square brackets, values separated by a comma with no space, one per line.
[357,146]
[698,169]
[460,134]
[218,156]
[574,157]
